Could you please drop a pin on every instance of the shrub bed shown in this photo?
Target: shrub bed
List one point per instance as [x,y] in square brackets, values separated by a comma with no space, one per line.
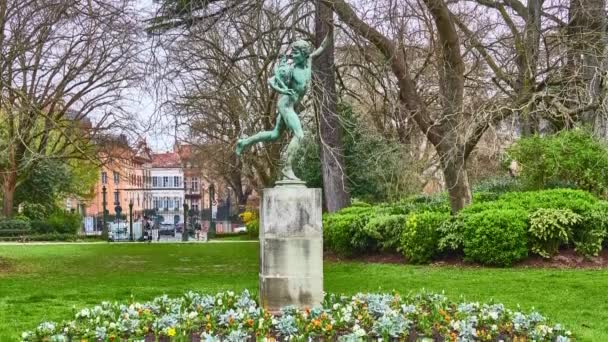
[499,229]
[230,317]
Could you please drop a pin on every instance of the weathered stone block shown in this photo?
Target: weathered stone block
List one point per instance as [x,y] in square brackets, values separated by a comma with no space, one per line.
[291,248]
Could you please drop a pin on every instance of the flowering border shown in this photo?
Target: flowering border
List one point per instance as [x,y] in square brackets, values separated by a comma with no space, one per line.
[227,316]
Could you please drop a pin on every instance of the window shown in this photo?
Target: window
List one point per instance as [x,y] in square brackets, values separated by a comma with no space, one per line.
[156,203]
[165,182]
[116,197]
[104,177]
[116,177]
[195,184]
[177,203]
[195,207]
[176,181]
[155,181]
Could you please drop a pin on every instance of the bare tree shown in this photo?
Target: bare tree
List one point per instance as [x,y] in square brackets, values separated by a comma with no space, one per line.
[453,136]
[64,64]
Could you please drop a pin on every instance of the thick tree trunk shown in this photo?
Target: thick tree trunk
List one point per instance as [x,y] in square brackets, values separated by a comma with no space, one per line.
[335,189]
[8,188]
[457,182]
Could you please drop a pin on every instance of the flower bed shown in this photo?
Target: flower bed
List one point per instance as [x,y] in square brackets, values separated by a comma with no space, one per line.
[231,317]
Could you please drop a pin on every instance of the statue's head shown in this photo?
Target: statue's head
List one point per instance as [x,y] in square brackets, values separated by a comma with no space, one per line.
[300,50]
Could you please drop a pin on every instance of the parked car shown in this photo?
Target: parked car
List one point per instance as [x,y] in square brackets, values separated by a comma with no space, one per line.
[167,229]
[242,229]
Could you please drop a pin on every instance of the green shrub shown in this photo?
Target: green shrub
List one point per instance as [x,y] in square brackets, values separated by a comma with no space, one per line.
[573,157]
[343,231]
[451,234]
[496,237]
[419,242]
[253,228]
[578,201]
[41,227]
[64,222]
[592,231]
[386,231]
[34,211]
[551,228]
[14,225]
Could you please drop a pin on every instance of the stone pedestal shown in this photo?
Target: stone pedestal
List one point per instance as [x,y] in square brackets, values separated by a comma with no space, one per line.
[291,247]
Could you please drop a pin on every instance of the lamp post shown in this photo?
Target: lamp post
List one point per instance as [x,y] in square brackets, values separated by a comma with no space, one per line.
[211,233]
[104,230]
[185,229]
[131,220]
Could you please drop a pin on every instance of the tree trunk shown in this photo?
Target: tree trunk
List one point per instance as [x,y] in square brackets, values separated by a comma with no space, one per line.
[457,182]
[335,192]
[8,188]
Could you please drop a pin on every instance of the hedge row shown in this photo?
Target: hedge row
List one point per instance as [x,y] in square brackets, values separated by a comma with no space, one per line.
[499,229]
[58,226]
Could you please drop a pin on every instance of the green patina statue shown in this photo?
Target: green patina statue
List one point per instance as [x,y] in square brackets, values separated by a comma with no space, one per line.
[291,82]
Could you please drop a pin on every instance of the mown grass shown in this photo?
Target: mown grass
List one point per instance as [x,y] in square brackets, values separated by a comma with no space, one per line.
[44,282]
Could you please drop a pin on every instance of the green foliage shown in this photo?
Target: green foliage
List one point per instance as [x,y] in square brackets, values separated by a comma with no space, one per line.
[591,233]
[34,211]
[568,158]
[50,181]
[419,242]
[253,228]
[385,178]
[551,228]
[386,231]
[41,227]
[578,201]
[496,237]
[64,223]
[343,231]
[14,225]
[451,234]
[498,185]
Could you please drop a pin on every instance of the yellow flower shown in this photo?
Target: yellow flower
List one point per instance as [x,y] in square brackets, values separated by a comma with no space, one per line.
[171,332]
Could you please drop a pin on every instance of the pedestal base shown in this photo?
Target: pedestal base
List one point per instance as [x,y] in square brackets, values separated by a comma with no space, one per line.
[291,248]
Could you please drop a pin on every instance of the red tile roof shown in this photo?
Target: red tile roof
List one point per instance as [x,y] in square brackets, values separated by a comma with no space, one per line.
[168,159]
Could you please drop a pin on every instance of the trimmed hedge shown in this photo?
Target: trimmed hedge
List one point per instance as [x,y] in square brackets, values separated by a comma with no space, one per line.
[420,238]
[496,237]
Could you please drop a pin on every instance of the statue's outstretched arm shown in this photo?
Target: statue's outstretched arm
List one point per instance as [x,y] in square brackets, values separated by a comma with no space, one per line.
[322,47]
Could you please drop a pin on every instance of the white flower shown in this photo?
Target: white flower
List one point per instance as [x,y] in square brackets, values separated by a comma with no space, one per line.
[192,315]
[358,331]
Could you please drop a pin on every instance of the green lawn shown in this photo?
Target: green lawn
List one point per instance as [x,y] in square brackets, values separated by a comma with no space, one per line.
[44,282]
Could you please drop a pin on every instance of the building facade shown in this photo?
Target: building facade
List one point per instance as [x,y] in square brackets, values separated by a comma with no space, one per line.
[123,177]
[167,187]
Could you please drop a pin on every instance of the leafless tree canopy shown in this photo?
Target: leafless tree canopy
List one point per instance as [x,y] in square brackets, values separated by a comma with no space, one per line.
[64,68]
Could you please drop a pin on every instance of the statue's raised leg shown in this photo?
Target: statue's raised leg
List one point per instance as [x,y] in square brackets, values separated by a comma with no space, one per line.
[264,136]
